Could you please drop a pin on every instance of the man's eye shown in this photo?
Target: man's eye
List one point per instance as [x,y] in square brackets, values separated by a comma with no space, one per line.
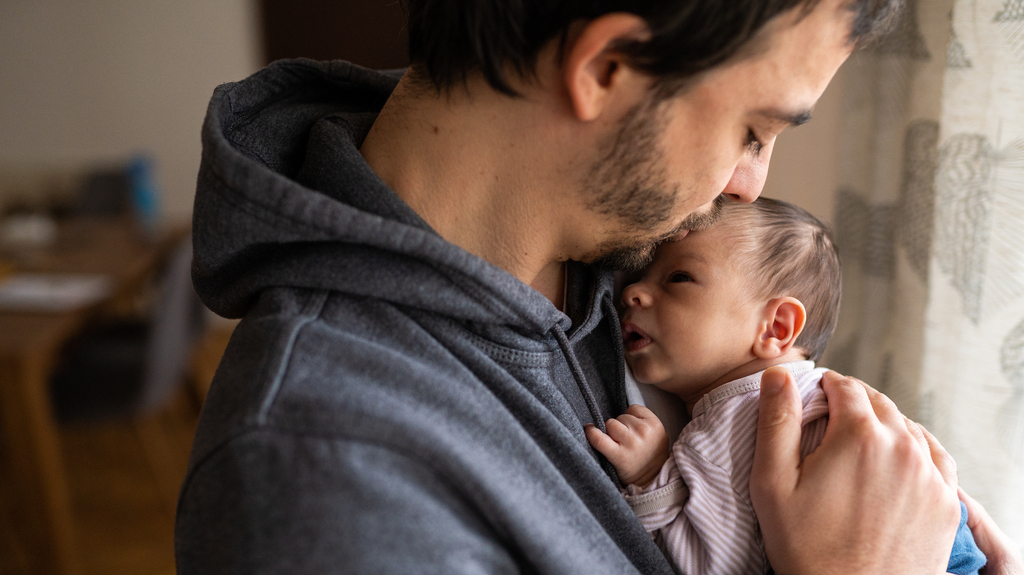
[753,144]
[680,277]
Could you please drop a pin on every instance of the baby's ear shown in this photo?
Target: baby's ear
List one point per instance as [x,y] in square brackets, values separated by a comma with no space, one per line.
[782,323]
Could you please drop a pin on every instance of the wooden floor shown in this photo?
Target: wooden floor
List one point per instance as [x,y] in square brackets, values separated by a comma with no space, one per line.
[124,476]
[125,523]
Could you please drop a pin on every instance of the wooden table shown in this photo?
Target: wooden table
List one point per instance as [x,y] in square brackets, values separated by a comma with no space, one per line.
[29,344]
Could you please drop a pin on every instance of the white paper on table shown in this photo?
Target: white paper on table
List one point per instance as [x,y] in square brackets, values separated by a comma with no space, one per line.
[53,292]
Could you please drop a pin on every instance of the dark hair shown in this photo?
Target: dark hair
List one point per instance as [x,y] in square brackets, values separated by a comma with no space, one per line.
[793,254]
[448,39]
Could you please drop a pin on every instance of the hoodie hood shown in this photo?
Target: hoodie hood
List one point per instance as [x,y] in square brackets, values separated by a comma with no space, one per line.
[285,199]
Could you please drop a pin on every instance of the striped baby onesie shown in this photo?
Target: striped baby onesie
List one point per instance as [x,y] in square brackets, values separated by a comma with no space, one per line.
[699,509]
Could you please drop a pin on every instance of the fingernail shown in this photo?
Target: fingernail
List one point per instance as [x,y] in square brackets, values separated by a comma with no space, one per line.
[772,381]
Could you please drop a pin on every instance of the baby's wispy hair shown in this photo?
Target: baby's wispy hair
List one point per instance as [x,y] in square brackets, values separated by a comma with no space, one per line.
[792,253]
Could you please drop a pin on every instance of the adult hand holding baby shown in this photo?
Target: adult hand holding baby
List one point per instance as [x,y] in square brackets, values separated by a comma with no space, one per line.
[875,497]
[1003,556]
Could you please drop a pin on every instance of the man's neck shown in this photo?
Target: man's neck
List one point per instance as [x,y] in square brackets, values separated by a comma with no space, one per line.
[467,171]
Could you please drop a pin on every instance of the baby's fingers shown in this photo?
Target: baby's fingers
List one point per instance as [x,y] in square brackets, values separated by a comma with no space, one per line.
[600,441]
[641,412]
[621,432]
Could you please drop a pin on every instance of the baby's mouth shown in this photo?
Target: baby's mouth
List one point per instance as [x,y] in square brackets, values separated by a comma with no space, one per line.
[634,338]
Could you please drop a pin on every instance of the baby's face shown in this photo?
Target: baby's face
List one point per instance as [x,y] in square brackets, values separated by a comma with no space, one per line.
[691,320]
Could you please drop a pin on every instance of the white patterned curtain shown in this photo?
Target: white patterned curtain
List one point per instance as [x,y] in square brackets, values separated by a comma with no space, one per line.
[930,225]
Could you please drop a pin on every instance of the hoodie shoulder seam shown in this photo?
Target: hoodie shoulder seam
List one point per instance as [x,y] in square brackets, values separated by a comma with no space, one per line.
[310,312]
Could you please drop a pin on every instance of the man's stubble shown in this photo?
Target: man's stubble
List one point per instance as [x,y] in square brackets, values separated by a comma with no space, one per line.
[629,183]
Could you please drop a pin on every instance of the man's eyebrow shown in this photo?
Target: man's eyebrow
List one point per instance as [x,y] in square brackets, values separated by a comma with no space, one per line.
[790,118]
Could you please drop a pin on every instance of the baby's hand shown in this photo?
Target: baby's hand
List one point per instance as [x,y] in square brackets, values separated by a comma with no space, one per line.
[636,444]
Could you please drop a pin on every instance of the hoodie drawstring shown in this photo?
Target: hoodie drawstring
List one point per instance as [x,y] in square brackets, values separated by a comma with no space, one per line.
[588,397]
[581,380]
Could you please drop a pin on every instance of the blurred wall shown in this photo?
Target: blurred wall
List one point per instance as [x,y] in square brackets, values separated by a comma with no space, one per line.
[370,33]
[95,81]
[805,163]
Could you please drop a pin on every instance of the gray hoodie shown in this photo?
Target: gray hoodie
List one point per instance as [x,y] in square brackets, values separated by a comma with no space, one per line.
[390,403]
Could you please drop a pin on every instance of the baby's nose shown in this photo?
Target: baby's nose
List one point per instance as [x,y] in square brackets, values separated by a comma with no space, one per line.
[634,295]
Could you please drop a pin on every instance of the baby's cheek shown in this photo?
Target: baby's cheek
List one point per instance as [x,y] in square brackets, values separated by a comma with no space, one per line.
[644,369]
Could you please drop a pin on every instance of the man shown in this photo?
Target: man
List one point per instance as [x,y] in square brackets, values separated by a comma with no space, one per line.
[420,347]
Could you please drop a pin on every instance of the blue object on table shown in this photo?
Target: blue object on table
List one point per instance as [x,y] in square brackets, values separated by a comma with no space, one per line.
[144,193]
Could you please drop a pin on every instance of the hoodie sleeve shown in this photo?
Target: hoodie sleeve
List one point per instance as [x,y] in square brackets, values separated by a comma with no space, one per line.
[280,504]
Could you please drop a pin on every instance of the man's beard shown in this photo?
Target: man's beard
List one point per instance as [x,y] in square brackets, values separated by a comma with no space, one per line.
[637,255]
[629,183]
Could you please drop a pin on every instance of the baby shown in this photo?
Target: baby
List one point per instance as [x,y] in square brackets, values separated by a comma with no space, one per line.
[758,289]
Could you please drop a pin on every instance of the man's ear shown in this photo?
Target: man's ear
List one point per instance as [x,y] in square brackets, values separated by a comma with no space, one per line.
[782,323]
[594,69]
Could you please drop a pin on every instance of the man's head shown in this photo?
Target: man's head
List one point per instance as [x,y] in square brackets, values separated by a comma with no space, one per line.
[632,119]
[450,40]
[760,286]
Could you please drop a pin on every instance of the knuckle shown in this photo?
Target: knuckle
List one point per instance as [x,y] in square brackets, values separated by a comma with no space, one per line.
[836,378]
[945,504]
[651,428]
[858,382]
[953,506]
[844,387]
[881,400]
[775,418]
[907,444]
[909,451]
[862,426]
[945,464]
[914,428]
[831,375]
[843,381]
[948,462]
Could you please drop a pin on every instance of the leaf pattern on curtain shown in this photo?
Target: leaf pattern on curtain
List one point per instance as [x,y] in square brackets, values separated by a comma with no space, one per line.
[964,199]
[1011,23]
[956,55]
[1011,414]
[917,194]
[930,227]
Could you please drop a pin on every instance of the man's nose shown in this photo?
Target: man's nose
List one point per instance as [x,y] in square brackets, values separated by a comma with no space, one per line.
[634,295]
[748,178]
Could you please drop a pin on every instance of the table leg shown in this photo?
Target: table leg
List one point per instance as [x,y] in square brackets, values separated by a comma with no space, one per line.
[38,468]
